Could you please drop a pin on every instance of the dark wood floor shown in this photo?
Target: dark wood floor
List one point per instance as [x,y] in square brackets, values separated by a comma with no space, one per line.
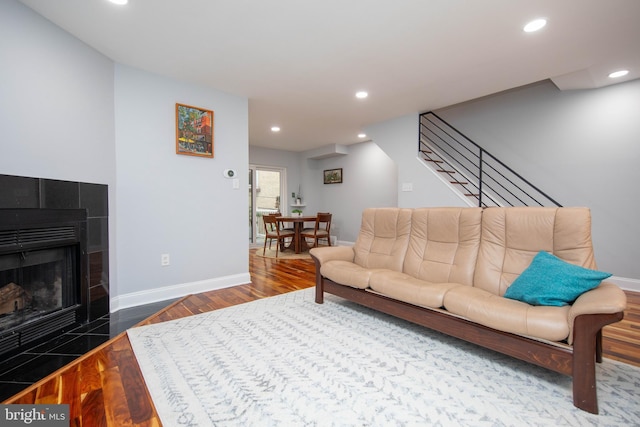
[621,341]
[105,387]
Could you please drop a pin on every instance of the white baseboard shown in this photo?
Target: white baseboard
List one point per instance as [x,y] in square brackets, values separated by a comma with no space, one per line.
[134,299]
[626,284]
[177,291]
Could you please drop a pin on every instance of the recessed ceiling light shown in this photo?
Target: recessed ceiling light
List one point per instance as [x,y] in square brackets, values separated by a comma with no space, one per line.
[362,135]
[619,73]
[535,25]
[275,128]
[361,94]
[119,2]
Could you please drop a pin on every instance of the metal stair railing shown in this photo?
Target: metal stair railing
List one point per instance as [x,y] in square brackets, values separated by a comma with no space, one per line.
[474,171]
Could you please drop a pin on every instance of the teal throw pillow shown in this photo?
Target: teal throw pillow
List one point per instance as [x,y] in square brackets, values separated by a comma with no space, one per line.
[551,281]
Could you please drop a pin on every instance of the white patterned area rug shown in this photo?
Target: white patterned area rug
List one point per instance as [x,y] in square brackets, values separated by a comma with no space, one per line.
[287,361]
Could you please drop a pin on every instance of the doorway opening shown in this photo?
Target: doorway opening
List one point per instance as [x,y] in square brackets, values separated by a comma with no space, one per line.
[267,191]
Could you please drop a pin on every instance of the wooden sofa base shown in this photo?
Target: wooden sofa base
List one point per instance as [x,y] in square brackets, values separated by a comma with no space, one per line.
[577,361]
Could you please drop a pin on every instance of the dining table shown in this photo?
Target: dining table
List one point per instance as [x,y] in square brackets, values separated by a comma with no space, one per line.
[298,244]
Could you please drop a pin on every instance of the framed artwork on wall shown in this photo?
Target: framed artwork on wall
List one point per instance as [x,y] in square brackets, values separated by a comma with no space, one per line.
[333,176]
[194,131]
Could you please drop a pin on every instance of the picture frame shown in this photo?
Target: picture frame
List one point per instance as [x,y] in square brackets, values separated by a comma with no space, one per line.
[194,131]
[333,176]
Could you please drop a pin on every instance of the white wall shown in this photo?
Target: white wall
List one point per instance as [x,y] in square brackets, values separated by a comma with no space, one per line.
[56,99]
[176,204]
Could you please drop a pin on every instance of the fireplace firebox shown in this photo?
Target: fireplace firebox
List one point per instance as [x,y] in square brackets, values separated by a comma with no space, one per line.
[43,273]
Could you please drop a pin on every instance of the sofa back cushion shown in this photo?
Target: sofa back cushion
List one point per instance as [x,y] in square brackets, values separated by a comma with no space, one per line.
[512,236]
[383,238]
[443,245]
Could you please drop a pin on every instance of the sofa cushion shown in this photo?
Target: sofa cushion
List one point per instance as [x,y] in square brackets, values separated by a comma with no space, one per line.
[504,314]
[512,236]
[407,288]
[443,245]
[383,238]
[347,273]
[552,281]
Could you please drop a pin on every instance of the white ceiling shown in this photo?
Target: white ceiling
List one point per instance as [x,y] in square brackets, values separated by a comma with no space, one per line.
[300,62]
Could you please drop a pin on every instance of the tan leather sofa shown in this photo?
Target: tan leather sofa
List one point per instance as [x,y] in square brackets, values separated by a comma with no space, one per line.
[448,269]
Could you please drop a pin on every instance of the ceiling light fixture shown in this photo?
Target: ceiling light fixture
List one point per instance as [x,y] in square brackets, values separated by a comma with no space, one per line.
[362,135]
[361,94]
[275,128]
[119,2]
[620,73]
[535,25]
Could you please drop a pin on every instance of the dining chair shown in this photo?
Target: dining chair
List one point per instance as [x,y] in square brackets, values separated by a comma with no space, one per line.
[322,229]
[273,232]
[310,229]
[282,223]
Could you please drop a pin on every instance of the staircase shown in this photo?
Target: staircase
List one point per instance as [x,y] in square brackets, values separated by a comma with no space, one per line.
[473,171]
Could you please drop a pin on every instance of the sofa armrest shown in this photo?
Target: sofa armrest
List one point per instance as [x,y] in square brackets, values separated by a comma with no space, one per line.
[607,298]
[329,253]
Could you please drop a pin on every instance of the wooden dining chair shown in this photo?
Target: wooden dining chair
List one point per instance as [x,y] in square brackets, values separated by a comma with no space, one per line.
[322,229]
[273,232]
[289,225]
[310,229]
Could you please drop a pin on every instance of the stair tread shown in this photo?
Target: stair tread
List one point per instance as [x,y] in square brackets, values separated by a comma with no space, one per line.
[442,145]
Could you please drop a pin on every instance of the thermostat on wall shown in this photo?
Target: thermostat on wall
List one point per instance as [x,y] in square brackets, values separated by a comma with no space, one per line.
[229,173]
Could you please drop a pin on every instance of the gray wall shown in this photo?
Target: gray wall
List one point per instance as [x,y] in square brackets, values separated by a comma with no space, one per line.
[581,147]
[60,103]
[398,138]
[56,99]
[176,204]
[70,113]
[369,180]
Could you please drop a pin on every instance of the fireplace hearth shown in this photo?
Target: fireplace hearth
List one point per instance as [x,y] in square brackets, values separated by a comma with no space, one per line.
[43,273]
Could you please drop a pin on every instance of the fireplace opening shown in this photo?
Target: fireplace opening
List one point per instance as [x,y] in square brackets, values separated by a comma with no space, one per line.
[43,274]
[35,284]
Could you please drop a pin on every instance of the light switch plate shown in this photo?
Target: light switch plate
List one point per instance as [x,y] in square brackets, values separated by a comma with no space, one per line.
[164,260]
[407,186]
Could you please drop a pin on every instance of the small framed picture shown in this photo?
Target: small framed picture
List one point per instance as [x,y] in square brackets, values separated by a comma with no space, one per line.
[194,131]
[333,176]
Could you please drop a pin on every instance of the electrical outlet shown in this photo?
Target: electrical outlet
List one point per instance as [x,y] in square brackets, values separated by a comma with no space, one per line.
[164,260]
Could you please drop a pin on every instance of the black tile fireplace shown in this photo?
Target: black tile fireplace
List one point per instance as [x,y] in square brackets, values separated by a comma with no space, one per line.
[43,273]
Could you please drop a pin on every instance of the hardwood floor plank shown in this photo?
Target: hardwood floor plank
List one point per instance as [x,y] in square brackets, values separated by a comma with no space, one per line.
[106,388]
[69,381]
[139,402]
[90,369]
[116,407]
[92,411]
